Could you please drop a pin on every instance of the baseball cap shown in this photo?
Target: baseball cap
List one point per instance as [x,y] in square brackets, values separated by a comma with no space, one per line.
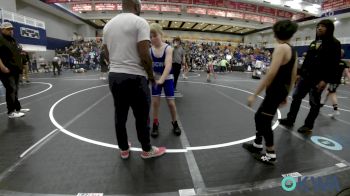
[6,25]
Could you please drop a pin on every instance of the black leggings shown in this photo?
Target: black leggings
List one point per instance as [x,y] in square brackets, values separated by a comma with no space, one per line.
[264,117]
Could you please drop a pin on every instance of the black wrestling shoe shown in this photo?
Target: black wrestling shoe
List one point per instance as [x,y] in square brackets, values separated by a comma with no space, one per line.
[155,130]
[176,128]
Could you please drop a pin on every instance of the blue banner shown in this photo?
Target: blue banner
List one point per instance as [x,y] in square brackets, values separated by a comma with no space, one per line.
[25,34]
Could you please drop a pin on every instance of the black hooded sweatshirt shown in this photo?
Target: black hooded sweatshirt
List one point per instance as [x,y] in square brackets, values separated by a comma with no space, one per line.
[321,63]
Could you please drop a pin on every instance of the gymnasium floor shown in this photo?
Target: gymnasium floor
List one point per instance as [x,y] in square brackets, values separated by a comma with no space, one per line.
[72,124]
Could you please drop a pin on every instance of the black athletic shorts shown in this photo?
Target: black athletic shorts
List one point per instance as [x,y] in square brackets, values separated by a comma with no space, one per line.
[332,88]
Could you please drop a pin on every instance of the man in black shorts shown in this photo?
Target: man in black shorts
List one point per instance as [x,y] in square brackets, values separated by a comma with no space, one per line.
[332,87]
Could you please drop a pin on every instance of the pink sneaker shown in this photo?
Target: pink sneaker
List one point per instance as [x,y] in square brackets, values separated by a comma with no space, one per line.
[154,152]
[124,154]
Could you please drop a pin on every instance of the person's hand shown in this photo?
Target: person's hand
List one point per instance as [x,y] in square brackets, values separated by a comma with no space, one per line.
[4,70]
[160,82]
[251,100]
[321,86]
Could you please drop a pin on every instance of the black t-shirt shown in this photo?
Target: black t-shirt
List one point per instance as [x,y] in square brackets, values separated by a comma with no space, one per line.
[9,54]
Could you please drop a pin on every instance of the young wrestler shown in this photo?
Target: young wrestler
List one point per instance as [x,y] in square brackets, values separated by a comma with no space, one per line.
[278,82]
[162,61]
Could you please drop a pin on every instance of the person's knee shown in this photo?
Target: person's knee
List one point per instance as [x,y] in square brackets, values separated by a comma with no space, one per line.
[171,104]
[155,102]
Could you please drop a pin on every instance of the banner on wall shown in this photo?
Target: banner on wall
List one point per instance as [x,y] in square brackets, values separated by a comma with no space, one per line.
[214,12]
[82,7]
[162,6]
[106,6]
[30,33]
[62,1]
[238,15]
[335,4]
[196,10]
[170,8]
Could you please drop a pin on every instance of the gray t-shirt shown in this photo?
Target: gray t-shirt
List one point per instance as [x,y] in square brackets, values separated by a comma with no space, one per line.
[121,36]
[56,59]
[178,55]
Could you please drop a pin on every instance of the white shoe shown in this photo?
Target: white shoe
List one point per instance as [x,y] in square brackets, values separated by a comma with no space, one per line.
[334,114]
[24,110]
[16,115]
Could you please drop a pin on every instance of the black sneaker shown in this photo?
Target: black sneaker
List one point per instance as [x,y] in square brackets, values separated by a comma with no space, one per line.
[266,158]
[251,148]
[176,129]
[305,129]
[285,122]
[155,130]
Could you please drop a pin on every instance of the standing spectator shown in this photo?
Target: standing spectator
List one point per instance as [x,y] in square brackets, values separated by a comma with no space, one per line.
[319,68]
[332,87]
[10,63]
[56,61]
[42,63]
[223,65]
[126,39]
[25,63]
[104,64]
[34,66]
[178,60]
